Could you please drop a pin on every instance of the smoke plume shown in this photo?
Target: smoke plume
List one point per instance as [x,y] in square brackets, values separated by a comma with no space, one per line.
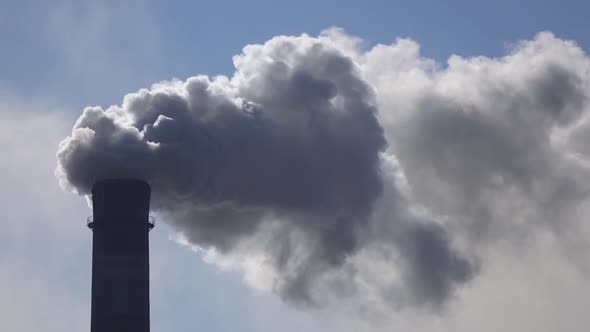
[323,170]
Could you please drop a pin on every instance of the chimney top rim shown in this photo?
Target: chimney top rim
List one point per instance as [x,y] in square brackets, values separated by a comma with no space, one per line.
[119,180]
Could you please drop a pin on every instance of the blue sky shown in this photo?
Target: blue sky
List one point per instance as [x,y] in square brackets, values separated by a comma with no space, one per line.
[60,56]
[184,38]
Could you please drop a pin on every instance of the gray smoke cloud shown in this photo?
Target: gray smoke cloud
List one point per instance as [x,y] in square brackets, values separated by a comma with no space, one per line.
[322,170]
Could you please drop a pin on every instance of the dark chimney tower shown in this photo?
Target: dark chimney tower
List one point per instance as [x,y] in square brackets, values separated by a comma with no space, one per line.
[120,256]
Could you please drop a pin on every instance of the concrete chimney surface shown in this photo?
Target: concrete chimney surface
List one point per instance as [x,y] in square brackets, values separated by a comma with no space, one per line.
[120,256]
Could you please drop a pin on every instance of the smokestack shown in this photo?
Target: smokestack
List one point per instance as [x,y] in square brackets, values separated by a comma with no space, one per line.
[120,256]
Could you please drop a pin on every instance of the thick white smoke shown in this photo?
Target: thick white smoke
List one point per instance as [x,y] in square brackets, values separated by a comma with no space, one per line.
[322,170]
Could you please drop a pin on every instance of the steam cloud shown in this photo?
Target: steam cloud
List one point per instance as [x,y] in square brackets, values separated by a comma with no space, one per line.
[322,170]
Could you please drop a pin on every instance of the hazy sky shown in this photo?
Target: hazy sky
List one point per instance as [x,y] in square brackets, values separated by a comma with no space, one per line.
[58,57]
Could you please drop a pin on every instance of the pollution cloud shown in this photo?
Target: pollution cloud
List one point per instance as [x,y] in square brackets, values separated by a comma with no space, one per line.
[324,170]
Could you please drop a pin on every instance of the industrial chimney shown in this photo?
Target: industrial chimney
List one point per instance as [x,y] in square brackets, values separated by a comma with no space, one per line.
[120,256]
